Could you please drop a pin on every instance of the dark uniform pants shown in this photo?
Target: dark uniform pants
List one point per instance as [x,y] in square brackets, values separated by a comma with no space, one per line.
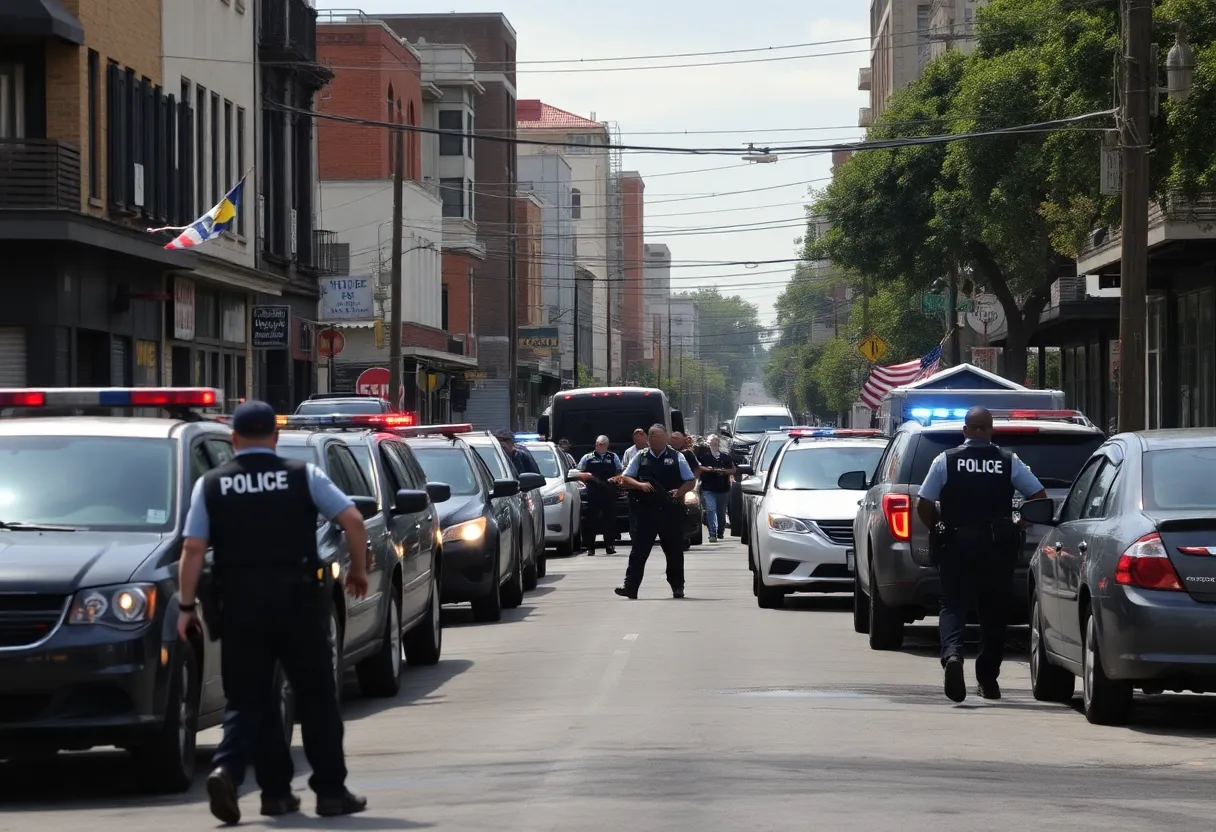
[601,519]
[973,575]
[665,523]
[284,623]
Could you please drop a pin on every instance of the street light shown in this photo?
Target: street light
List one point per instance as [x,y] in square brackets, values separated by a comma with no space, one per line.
[1180,66]
[762,157]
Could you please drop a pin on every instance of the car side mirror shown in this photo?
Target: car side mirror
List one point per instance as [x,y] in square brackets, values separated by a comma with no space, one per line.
[368,507]
[409,501]
[1041,511]
[505,488]
[853,481]
[744,470]
[439,492]
[530,482]
[753,485]
[574,475]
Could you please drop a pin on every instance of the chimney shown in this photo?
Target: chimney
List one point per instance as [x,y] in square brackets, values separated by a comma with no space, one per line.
[528,109]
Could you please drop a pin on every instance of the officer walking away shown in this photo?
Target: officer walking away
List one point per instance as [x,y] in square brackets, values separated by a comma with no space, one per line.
[658,478]
[639,445]
[976,545]
[259,513]
[520,458]
[598,470]
[716,471]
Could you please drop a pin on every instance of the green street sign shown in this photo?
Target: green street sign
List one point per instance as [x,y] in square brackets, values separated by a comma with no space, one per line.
[936,304]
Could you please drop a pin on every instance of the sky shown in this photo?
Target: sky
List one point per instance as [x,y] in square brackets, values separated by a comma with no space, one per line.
[807,97]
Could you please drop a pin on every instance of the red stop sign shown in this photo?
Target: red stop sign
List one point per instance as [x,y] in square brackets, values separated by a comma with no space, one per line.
[374,381]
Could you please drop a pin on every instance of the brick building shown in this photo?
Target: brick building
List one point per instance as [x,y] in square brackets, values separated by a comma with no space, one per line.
[492,41]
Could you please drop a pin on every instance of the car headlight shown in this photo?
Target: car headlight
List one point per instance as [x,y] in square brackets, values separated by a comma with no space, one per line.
[781,523]
[469,532]
[691,498]
[129,604]
[555,499]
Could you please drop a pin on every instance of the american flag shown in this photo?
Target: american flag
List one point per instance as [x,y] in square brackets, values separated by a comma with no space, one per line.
[883,379]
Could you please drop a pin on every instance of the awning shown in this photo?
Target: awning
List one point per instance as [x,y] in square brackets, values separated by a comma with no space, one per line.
[40,19]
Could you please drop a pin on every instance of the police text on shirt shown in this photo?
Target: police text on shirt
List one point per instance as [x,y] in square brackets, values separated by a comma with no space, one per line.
[254,483]
[982,466]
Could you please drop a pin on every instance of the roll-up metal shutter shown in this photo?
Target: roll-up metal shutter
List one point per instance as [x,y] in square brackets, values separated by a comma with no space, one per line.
[12,356]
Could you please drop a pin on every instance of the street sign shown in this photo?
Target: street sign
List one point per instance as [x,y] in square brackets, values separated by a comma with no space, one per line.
[873,348]
[330,343]
[374,381]
[936,304]
[1111,167]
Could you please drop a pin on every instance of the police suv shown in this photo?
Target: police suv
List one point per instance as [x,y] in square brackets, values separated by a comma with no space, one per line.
[91,512]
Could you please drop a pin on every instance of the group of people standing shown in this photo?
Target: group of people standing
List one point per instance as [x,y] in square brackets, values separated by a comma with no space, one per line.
[657,472]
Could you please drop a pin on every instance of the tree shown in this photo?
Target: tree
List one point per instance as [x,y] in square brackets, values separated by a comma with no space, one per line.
[730,332]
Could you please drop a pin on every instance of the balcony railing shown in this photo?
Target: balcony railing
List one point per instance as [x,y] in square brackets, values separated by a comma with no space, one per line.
[1176,218]
[864,117]
[288,28]
[323,257]
[865,77]
[39,174]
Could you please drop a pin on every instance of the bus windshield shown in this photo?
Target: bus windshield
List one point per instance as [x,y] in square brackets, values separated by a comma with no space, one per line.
[582,419]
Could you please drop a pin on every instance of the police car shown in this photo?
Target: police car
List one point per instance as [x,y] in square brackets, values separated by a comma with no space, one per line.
[531,510]
[91,514]
[400,614]
[561,497]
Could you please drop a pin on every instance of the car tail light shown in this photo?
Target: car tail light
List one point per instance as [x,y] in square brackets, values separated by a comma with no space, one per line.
[897,508]
[1146,565]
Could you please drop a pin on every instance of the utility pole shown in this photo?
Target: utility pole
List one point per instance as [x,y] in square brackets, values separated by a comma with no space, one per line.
[1139,74]
[608,293]
[668,337]
[394,335]
[704,401]
[956,347]
[512,327]
[576,327]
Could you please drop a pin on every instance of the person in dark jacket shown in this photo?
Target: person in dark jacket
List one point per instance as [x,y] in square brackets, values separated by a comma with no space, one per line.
[716,471]
[520,458]
[599,470]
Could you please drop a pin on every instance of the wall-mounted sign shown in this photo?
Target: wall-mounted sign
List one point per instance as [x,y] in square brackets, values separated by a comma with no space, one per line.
[538,342]
[272,327]
[183,309]
[347,299]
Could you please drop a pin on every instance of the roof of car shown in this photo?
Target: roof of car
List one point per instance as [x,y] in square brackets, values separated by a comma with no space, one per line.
[1160,440]
[128,426]
[763,409]
[433,441]
[837,442]
[955,426]
[306,437]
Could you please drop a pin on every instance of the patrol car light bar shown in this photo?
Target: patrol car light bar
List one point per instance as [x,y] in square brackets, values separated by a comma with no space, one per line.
[111,397]
[826,433]
[434,430]
[938,413]
[387,421]
[528,437]
[927,414]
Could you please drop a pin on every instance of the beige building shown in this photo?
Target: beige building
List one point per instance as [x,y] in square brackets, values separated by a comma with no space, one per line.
[952,26]
[899,50]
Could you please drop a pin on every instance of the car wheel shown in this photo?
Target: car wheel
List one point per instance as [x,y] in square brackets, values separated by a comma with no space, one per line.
[751,564]
[861,606]
[531,576]
[336,651]
[380,673]
[424,645]
[1048,682]
[755,582]
[489,607]
[542,564]
[1106,701]
[767,597]
[886,626]
[166,762]
[512,592]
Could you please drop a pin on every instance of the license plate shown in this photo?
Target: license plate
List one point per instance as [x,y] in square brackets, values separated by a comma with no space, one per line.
[850,560]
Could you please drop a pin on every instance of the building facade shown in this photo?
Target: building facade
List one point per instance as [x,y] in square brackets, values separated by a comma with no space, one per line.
[635,329]
[656,295]
[549,177]
[685,328]
[899,50]
[491,39]
[952,26]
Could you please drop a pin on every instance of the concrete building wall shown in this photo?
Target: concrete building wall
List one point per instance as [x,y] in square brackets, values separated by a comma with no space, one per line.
[633,327]
[900,45]
[550,177]
[685,328]
[656,296]
[529,225]
[953,25]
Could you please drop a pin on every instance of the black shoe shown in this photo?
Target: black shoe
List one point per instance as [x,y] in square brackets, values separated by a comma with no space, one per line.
[611,550]
[222,793]
[590,553]
[989,690]
[344,804]
[677,593]
[273,807]
[626,592]
[955,684]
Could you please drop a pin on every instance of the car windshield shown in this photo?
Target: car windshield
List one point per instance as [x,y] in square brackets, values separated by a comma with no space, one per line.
[547,463]
[300,453]
[490,457]
[771,448]
[1055,458]
[1180,479]
[323,407]
[819,469]
[449,466]
[759,424]
[90,482]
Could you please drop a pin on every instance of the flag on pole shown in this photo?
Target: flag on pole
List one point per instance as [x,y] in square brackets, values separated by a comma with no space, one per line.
[210,225]
[883,379]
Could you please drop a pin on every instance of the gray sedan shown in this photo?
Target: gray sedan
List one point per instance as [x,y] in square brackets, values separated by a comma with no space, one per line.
[1123,583]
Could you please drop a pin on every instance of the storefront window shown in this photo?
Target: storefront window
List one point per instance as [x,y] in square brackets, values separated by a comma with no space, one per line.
[1195,360]
[1075,378]
[1156,324]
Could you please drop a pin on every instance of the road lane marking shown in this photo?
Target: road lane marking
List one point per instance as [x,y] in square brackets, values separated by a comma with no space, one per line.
[631,637]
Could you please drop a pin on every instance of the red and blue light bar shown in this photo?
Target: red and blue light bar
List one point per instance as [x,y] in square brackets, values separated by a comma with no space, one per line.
[928,415]
[383,421]
[51,397]
[832,433]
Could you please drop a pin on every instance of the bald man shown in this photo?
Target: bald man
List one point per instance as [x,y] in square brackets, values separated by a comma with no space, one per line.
[974,484]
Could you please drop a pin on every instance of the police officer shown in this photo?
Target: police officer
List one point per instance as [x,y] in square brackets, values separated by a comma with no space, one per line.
[658,479]
[259,513]
[520,458]
[598,470]
[979,545]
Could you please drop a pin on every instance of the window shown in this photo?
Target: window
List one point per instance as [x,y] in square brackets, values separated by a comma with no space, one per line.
[1195,359]
[94,125]
[470,131]
[12,101]
[342,468]
[493,459]
[228,180]
[576,204]
[451,144]
[394,467]
[217,152]
[451,191]
[1055,458]
[443,308]
[1074,503]
[1099,495]
[240,165]
[450,466]
[472,203]
[200,147]
[1180,479]
[580,142]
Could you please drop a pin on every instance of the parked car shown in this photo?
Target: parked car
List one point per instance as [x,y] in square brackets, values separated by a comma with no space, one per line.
[802,540]
[894,583]
[561,498]
[328,404]
[400,609]
[480,523]
[531,511]
[1123,583]
[765,452]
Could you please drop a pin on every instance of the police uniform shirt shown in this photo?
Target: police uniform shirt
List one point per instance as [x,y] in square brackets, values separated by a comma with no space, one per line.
[677,459]
[327,497]
[1024,482]
[600,466]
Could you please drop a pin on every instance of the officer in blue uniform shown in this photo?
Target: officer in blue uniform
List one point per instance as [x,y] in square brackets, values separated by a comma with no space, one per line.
[976,546]
[259,514]
[658,478]
[599,470]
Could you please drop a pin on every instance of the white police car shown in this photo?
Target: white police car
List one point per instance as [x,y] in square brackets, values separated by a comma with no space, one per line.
[91,512]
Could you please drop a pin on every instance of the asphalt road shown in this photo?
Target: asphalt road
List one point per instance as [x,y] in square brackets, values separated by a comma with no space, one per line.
[585,711]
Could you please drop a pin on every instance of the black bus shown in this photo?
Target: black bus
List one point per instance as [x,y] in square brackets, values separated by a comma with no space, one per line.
[583,414]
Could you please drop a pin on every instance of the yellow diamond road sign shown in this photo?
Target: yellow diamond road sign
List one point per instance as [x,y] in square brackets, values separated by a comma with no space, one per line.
[873,348]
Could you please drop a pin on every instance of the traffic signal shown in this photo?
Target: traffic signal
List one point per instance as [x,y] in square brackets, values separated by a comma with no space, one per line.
[379,335]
